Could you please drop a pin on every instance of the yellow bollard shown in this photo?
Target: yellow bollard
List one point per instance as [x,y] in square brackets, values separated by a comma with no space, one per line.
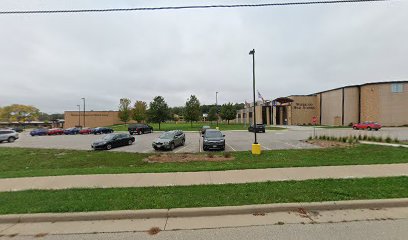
[256,149]
[217,128]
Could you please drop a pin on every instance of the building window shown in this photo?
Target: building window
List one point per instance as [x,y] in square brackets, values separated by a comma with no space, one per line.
[239,115]
[397,87]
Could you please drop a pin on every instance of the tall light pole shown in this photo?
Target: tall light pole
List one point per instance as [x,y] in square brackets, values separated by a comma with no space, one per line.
[84,110]
[252,52]
[79,115]
[216,105]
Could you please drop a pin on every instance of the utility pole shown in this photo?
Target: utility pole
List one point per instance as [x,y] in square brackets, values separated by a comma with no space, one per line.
[79,115]
[84,110]
[256,148]
[216,105]
[252,52]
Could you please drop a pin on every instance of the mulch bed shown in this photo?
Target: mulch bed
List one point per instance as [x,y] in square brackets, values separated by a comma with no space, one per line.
[329,144]
[187,157]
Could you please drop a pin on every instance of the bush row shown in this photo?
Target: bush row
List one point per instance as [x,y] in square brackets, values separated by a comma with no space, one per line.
[355,138]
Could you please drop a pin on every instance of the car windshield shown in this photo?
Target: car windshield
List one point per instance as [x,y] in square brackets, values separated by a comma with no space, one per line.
[167,135]
[213,134]
[109,137]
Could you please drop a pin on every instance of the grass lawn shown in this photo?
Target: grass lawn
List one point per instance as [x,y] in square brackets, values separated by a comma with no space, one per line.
[28,162]
[194,127]
[82,200]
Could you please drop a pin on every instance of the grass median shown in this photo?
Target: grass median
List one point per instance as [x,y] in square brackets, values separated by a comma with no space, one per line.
[194,127]
[30,162]
[83,200]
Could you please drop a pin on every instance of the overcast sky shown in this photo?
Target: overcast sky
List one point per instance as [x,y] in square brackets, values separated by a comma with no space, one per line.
[51,61]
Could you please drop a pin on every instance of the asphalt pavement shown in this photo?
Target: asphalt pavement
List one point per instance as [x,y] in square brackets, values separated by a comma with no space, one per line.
[291,138]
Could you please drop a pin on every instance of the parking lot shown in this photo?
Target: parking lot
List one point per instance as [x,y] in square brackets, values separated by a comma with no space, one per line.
[291,138]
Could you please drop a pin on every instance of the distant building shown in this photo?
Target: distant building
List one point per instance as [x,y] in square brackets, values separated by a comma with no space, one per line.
[92,118]
[383,102]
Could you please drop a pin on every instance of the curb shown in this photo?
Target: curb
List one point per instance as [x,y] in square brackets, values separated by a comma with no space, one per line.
[202,212]
[384,144]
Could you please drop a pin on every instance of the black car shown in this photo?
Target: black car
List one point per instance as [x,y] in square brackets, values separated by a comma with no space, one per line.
[213,139]
[102,130]
[139,129]
[169,140]
[113,140]
[204,128]
[17,129]
[259,128]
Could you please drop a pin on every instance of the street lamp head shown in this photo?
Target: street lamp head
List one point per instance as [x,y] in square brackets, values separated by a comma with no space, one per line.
[252,52]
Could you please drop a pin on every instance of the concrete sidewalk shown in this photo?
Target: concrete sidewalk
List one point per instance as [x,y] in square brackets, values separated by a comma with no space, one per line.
[197,178]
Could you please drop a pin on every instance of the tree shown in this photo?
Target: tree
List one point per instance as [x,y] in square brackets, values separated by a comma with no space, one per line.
[212,114]
[192,110]
[139,111]
[19,113]
[158,110]
[228,112]
[124,110]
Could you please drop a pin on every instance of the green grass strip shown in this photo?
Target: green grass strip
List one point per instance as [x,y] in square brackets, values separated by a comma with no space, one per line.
[29,162]
[80,200]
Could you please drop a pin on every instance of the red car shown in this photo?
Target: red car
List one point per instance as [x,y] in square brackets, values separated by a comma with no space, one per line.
[367,125]
[85,131]
[55,131]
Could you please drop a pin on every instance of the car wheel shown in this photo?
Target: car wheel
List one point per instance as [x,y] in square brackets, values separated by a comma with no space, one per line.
[355,128]
[376,129]
[156,148]
[130,142]
[172,146]
[108,147]
[183,142]
[369,129]
[11,139]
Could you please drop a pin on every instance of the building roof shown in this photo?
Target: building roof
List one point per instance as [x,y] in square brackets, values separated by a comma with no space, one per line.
[360,85]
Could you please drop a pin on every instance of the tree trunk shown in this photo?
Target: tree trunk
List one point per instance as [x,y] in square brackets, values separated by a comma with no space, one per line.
[191,123]
[228,121]
[159,125]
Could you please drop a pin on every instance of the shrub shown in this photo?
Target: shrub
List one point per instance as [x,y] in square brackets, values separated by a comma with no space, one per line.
[310,138]
[396,140]
[210,155]
[344,139]
[388,140]
[365,137]
[360,137]
[380,139]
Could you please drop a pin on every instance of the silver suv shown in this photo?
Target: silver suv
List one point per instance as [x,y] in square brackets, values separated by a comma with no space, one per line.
[8,135]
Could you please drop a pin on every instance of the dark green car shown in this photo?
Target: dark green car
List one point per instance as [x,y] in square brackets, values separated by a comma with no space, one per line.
[169,140]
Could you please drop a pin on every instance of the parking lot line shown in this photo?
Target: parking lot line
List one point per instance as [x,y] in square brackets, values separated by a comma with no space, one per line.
[231,147]
[186,146]
[266,147]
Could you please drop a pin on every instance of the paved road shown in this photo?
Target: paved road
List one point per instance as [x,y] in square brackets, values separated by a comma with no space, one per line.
[206,177]
[373,224]
[292,138]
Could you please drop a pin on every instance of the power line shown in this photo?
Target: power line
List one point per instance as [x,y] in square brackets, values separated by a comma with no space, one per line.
[186,7]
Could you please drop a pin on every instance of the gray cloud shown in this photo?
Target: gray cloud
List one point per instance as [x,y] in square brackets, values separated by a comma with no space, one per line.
[51,61]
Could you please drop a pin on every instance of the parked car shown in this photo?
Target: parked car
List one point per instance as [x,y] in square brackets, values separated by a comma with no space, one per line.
[8,135]
[17,129]
[71,131]
[259,128]
[55,131]
[102,130]
[367,125]
[113,140]
[39,132]
[213,139]
[85,131]
[169,140]
[139,129]
[204,128]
